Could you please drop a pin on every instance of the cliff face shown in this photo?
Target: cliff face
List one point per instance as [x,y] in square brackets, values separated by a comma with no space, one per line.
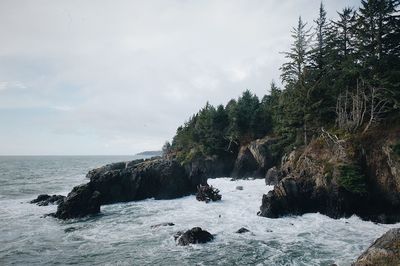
[340,178]
[255,158]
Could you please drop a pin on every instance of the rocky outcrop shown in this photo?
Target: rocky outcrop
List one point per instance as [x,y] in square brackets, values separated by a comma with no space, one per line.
[255,159]
[207,193]
[44,199]
[195,235]
[339,179]
[384,251]
[81,201]
[122,182]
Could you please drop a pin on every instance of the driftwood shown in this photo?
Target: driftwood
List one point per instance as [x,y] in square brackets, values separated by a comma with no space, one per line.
[207,193]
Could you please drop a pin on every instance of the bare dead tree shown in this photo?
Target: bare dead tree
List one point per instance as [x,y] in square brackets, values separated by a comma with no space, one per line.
[378,105]
[367,104]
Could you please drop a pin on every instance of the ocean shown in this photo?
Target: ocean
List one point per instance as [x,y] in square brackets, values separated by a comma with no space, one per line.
[122,233]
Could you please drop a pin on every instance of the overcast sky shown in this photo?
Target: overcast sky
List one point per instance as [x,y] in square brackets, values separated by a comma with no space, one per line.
[118,77]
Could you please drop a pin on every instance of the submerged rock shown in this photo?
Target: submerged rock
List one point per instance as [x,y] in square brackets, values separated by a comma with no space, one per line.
[242,230]
[122,182]
[44,199]
[384,251]
[195,235]
[161,224]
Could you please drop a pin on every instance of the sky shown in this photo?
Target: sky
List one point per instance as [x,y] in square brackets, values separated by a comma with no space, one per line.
[118,77]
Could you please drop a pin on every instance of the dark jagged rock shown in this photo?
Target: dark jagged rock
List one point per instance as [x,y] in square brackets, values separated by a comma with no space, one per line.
[161,224]
[384,251]
[81,201]
[242,230]
[315,180]
[239,187]
[122,182]
[207,193]
[195,235]
[44,199]
[254,159]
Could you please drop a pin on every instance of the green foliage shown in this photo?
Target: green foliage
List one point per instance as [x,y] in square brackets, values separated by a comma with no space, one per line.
[219,131]
[396,148]
[352,179]
[359,46]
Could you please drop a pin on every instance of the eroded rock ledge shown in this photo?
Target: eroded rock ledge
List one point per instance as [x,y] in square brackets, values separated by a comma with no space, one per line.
[128,181]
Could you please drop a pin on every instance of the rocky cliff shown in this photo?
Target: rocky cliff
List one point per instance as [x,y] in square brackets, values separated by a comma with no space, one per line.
[255,158]
[340,178]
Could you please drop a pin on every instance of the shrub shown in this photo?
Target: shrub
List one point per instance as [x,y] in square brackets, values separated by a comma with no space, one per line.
[352,179]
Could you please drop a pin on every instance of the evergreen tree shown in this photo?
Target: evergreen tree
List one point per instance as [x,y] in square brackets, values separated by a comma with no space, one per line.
[294,75]
[293,71]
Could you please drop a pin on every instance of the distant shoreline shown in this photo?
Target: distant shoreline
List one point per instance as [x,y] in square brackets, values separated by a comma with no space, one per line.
[150,153]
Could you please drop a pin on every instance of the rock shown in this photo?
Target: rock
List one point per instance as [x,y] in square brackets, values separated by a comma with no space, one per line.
[44,199]
[178,235]
[255,158]
[313,180]
[161,224]
[239,188]
[272,177]
[81,201]
[195,235]
[207,193]
[122,182]
[384,251]
[242,230]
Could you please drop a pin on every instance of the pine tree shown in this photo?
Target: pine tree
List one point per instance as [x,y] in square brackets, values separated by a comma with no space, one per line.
[293,70]
[294,75]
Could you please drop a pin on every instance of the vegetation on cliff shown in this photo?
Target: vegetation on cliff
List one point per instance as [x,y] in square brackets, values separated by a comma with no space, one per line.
[341,74]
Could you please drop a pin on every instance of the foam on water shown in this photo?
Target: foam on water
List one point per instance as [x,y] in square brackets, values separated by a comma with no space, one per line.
[122,233]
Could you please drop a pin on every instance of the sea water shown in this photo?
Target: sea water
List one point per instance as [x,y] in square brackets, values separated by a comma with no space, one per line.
[122,233]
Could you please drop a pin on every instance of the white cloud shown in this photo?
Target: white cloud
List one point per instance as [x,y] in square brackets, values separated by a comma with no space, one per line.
[123,75]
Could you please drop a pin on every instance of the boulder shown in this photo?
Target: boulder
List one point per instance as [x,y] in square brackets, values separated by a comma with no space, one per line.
[239,187]
[122,182]
[44,199]
[384,251]
[195,235]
